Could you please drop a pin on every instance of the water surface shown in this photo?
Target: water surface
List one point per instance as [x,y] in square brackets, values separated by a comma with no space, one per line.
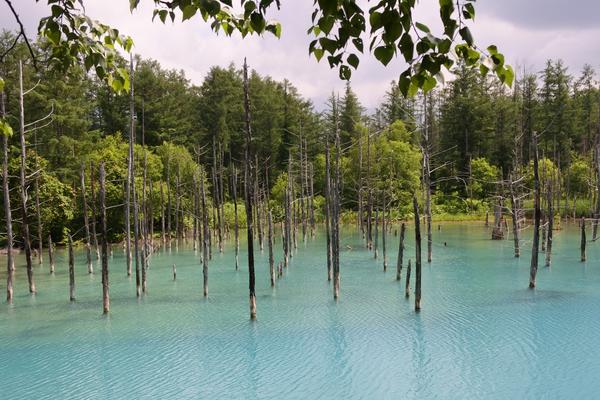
[481,333]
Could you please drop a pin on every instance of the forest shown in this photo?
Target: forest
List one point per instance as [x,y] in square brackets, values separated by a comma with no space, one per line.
[463,150]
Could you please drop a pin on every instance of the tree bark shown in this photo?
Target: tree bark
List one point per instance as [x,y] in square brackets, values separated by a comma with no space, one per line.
[536,215]
[583,241]
[88,247]
[205,239]
[407,283]
[515,218]
[103,227]
[94,211]
[271,259]
[550,204]
[24,213]
[383,233]
[400,252]
[248,178]
[417,256]
[129,170]
[71,270]
[236,228]
[51,254]
[10,264]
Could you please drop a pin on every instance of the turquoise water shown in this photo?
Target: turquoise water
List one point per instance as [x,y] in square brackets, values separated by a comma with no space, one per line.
[481,333]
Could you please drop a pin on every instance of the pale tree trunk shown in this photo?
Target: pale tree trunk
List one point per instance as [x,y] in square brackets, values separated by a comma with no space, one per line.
[400,252]
[51,254]
[536,215]
[103,227]
[417,255]
[583,241]
[129,172]
[248,176]
[336,212]
[407,283]
[236,228]
[205,238]
[328,208]
[71,270]
[24,214]
[38,213]
[383,233]
[86,224]
[550,224]
[94,211]
[271,259]
[10,265]
[515,218]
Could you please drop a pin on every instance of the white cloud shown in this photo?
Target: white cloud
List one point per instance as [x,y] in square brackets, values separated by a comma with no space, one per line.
[194,48]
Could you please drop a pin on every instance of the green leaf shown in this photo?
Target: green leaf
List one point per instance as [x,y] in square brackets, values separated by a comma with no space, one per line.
[345,72]
[358,43]
[509,76]
[318,54]
[326,23]
[422,27]
[188,12]
[429,84]
[407,47]
[353,60]
[2,83]
[404,82]
[465,34]
[5,128]
[384,54]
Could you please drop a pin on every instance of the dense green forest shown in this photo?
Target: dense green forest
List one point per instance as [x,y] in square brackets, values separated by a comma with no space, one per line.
[477,133]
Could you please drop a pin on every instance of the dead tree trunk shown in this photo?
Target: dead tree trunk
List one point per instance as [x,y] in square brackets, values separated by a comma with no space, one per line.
[583,240]
[94,211]
[10,264]
[51,254]
[417,255]
[536,215]
[71,270]
[550,223]
[515,213]
[383,234]
[24,214]
[103,227]
[328,208]
[132,189]
[271,259]
[129,171]
[336,211]
[375,247]
[400,252]
[38,213]
[407,283]
[88,247]
[235,219]
[162,215]
[248,178]
[312,201]
[205,238]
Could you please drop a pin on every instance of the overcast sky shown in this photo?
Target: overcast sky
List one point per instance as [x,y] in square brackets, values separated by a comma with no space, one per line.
[527,31]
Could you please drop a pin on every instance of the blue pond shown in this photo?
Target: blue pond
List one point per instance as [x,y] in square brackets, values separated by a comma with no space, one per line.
[481,332]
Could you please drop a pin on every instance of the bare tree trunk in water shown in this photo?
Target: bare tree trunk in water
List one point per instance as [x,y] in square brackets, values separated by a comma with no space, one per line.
[51,254]
[162,215]
[94,211]
[550,223]
[515,218]
[583,240]
[271,260]
[248,176]
[88,247]
[328,205]
[103,226]
[129,171]
[407,283]
[417,255]
[24,215]
[236,228]
[10,264]
[38,213]
[312,201]
[205,237]
[336,211]
[536,215]
[375,247]
[71,270]
[400,252]
[383,232]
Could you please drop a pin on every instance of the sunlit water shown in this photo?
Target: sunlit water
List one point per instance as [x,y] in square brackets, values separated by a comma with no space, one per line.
[481,332]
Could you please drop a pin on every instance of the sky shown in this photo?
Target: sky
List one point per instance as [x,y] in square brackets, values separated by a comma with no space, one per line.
[528,32]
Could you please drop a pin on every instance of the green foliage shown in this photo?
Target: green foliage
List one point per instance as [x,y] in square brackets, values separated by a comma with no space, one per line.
[579,177]
[484,178]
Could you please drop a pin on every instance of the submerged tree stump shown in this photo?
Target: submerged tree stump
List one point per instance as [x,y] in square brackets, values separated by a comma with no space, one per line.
[583,241]
[400,252]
